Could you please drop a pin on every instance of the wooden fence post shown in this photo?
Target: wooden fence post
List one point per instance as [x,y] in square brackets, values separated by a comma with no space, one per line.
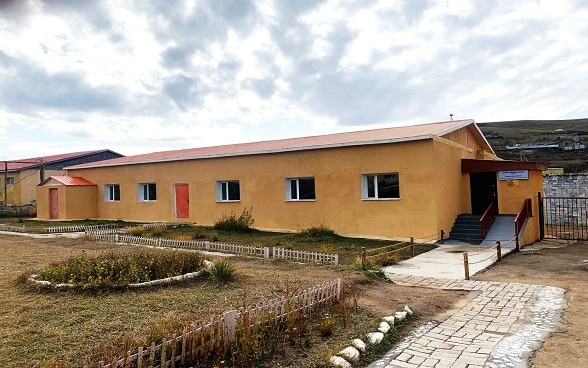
[466,265]
[230,318]
[140,357]
[163,351]
[336,259]
[498,251]
[411,246]
[363,256]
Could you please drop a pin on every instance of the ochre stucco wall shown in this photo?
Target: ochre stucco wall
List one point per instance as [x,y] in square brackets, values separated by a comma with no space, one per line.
[337,175]
[510,200]
[80,202]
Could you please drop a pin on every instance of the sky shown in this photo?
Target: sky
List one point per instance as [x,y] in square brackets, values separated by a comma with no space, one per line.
[139,76]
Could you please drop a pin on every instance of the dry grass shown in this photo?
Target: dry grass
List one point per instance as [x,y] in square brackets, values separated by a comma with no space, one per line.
[40,328]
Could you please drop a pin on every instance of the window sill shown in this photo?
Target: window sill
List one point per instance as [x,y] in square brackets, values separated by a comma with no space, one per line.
[380,199]
[112,201]
[231,201]
[147,201]
[300,200]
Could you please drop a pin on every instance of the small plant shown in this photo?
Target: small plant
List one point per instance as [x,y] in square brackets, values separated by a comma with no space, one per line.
[198,234]
[137,231]
[327,249]
[232,222]
[184,237]
[158,230]
[223,271]
[318,232]
[215,238]
[369,268]
[326,325]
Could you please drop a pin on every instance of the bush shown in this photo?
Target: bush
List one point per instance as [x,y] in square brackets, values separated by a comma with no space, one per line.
[223,271]
[233,223]
[318,232]
[137,231]
[158,230]
[121,269]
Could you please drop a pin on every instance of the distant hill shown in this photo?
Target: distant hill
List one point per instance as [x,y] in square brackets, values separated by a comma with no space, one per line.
[501,134]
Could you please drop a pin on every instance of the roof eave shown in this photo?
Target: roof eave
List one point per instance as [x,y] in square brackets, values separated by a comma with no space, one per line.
[282,150]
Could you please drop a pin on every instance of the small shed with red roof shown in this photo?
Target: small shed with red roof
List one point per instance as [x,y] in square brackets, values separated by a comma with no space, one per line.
[66,197]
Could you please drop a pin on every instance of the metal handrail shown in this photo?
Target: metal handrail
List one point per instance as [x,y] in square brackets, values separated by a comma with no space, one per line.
[487,219]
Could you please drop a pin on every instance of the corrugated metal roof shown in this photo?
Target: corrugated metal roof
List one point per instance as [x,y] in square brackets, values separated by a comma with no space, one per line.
[23,163]
[375,136]
[70,180]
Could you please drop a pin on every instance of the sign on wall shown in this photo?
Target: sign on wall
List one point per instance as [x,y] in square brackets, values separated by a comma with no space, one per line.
[513,175]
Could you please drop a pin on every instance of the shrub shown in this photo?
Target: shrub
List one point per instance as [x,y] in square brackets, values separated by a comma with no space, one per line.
[121,269]
[137,231]
[233,223]
[223,270]
[318,232]
[198,234]
[158,230]
[326,325]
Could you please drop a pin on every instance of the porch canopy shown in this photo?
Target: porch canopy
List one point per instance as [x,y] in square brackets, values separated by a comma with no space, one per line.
[477,166]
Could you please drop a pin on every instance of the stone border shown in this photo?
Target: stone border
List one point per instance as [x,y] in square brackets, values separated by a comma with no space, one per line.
[166,281]
[353,352]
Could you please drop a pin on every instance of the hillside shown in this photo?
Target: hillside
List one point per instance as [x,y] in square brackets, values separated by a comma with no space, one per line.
[541,132]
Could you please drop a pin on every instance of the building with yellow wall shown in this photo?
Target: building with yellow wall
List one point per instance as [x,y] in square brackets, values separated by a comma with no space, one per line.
[396,182]
[19,178]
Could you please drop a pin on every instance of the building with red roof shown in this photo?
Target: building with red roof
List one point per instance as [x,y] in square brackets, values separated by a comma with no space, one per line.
[400,182]
[19,178]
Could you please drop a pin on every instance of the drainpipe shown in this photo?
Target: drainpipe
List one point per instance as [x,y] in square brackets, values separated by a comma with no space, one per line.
[5,185]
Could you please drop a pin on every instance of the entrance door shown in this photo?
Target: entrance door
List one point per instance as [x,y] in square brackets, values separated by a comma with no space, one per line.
[484,192]
[53,204]
[182,200]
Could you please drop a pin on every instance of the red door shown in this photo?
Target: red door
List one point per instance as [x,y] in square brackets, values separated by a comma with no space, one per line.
[53,204]
[182,200]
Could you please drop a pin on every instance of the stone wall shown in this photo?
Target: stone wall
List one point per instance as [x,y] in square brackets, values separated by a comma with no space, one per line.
[566,185]
[566,202]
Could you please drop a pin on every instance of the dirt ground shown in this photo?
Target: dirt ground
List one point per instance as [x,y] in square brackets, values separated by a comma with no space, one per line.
[557,263]
[38,329]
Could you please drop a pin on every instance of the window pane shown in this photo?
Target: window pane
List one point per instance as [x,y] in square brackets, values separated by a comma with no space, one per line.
[152,192]
[234,194]
[371,188]
[116,193]
[223,191]
[388,186]
[145,192]
[294,189]
[306,188]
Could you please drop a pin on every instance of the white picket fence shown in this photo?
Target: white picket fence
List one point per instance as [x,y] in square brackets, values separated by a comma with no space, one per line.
[203,245]
[12,228]
[201,338]
[304,256]
[96,228]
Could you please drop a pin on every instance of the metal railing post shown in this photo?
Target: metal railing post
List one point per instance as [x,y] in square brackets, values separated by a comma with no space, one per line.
[411,246]
[442,236]
[363,257]
[498,251]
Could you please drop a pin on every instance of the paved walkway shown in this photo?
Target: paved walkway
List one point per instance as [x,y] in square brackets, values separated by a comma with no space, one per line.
[446,261]
[502,327]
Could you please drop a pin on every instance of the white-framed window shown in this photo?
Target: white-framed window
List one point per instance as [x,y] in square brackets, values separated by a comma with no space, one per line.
[300,189]
[10,180]
[111,192]
[380,186]
[228,191]
[147,192]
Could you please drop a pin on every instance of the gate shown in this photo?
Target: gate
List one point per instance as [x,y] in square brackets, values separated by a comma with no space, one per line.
[564,217]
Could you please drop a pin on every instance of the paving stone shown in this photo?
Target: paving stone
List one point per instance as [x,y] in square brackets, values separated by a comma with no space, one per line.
[501,327]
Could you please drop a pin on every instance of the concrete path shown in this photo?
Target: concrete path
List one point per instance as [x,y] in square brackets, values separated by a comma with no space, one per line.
[446,261]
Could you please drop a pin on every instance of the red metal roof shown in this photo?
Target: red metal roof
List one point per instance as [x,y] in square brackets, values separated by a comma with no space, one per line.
[375,136]
[20,164]
[71,180]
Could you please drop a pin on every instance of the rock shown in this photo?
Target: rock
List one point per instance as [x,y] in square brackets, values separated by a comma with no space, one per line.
[337,361]
[384,327]
[400,316]
[389,319]
[408,310]
[359,345]
[350,353]
[375,338]
[208,265]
